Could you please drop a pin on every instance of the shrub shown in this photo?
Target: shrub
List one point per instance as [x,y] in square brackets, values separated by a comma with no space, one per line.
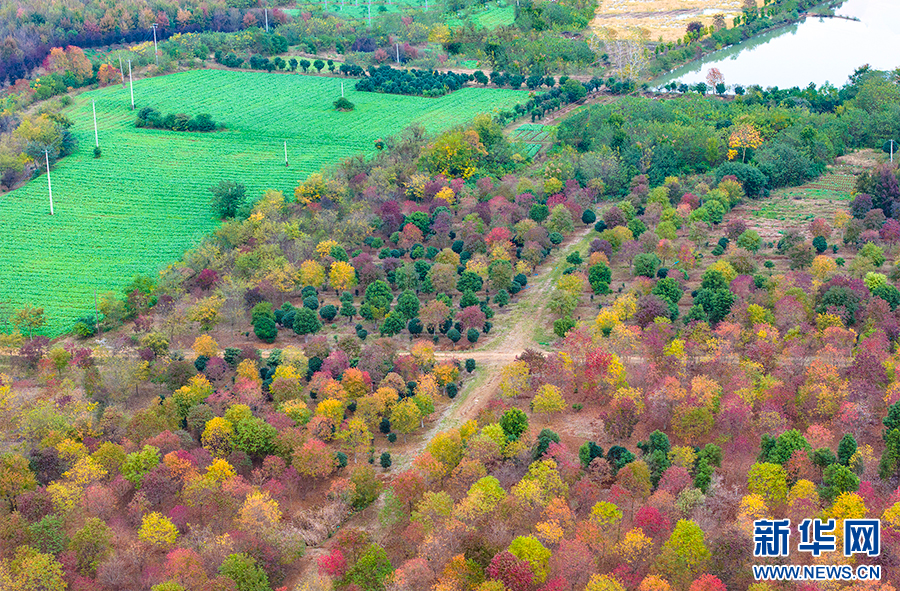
[342,104]
[265,330]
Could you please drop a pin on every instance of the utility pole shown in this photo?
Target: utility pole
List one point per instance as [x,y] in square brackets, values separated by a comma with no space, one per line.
[96,137]
[370,14]
[266,12]
[892,151]
[96,314]
[131,82]
[155,49]
[285,153]
[398,53]
[49,187]
[121,69]
[342,89]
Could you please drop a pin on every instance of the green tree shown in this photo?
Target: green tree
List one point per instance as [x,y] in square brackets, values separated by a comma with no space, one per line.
[138,463]
[530,549]
[366,487]
[514,422]
[228,198]
[408,304]
[306,322]
[265,329]
[29,319]
[684,555]
[246,574]
[49,534]
[91,544]
[371,570]
[393,324]
[560,220]
[599,276]
[716,211]
[469,281]
[255,437]
[539,212]
[846,449]
[646,264]
[500,274]
[750,240]
[838,479]
[378,295]
[668,289]
[780,450]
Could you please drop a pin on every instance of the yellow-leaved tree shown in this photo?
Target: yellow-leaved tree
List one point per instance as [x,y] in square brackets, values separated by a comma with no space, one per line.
[549,399]
[260,513]
[342,276]
[743,137]
[311,273]
[157,530]
[514,379]
[206,346]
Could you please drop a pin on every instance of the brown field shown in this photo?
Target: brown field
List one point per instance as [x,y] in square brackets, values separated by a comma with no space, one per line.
[655,19]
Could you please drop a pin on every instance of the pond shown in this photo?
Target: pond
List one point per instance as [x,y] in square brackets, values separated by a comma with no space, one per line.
[817,50]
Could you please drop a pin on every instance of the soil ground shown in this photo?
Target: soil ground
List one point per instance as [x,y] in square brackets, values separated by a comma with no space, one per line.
[652,19]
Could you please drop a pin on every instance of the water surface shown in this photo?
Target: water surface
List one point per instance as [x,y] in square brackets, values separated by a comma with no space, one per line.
[817,50]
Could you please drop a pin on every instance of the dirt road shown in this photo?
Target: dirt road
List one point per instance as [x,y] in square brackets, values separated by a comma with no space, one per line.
[521,329]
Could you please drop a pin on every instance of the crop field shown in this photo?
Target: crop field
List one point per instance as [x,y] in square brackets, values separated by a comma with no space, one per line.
[490,16]
[660,18]
[145,200]
[532,132]
[532,135]
[797,206]
[360,8]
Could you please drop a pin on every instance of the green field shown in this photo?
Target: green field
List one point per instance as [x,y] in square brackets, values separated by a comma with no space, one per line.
[489,16]
[532,132]
[145,201]
[360,8]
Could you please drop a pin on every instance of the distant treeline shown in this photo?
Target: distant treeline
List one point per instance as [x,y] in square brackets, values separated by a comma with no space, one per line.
[416,82]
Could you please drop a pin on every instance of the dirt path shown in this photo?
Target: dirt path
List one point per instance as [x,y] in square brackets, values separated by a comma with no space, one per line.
[521,329]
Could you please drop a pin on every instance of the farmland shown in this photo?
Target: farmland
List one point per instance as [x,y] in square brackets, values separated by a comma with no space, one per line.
[145,201]
[660,19]
[795,207]
[488,16]
[533,136]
